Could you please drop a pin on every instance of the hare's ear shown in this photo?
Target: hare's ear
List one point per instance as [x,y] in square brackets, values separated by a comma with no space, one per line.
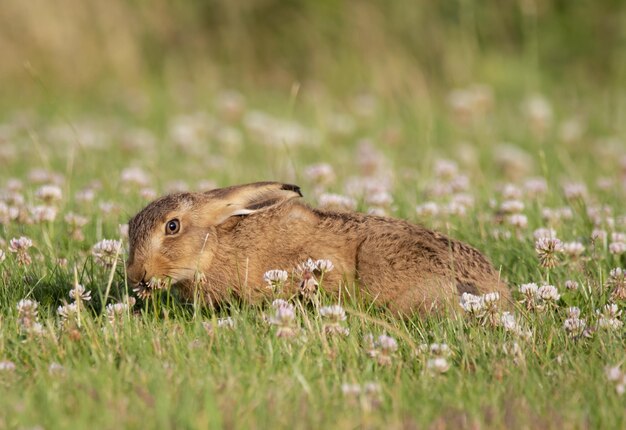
[223,203]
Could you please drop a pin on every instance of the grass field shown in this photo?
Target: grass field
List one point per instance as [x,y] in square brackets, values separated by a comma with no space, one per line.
[500,134]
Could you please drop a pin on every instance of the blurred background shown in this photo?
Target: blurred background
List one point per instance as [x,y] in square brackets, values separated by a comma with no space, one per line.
[129,50]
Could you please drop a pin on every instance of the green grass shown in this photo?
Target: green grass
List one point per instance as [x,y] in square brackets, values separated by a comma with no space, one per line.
[161,368]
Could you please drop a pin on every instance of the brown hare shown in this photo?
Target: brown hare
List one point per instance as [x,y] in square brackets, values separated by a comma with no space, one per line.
[223,241]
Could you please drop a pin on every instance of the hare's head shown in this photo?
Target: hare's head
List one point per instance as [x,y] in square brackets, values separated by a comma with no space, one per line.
[175,235]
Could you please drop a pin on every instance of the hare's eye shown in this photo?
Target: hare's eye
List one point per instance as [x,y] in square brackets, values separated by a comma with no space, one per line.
[172,226]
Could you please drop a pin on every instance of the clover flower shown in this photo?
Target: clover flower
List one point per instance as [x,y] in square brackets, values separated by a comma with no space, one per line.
[547,250]
[76,223]
[284,318]
[574,325]
[43,213]
[80,294]
[20,246]
[614,374]
[438,365]
[573,249]
[7,366]
[571,285]
[617,283]
[333,317]
[275,279]
[69,314]
[336,202]
[510,324]
[482,308]
[382,349]
[106,252]
[609,317]
[49,193]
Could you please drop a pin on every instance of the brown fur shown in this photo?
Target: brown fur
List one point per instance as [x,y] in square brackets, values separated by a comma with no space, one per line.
[232,236]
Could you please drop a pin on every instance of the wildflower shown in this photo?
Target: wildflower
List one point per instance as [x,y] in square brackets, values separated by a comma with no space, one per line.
[510,324]
[617,248]
[512,206]
[547,250]
[106,252]
[115,312]
[7,366]
[438,365]
[574,325]
[3,256]
[135,176]
[518,220]
[226,323]
[573,249]
[617,282]
[42,213]
[599,234]
[69,314]
[386,346]
[333,317]
[20,247]
[609,317]
[615,375]
[280,303]
[571,285]
[284,319]
[76,223]
[324,265]
[49,193]
[145,290]
[548,293]
[473,305]
[56,369]
[321,174]
[27,313]
[535,187]
[275,279]
[336,202]
[79,294]
[445,169]
[427,209]
[544,233]
[575,190]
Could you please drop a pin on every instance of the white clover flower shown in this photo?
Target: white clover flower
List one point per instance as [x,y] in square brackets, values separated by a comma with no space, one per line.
[115,312]
[78,293]
[599,234]
[548,293]
[512,206]
[43,213]
[472,304]
[575,190]
[337,202]
[573,249]
[227,323]
[280,303]
[547,249]
[20,244]
[49,193]
[440,349]
[322,173]
[618,237]
[510,324]
[3,256]
[517,220]
[571,285]
[75,221]
[350,389]
[445,169]
[574,326]
[617,248]
[306,266]
[275,278]
[68,313]
[613,373]
[135,176]
[106,251]
[544,233]
[56,369]
[27,312]
[535,187]
[284,319]
[386,344]
[438,365]
[7,366]
[427,209]
[324,265]
[333,313]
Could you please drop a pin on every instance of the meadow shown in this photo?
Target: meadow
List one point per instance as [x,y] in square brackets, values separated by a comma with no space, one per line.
[491,143]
